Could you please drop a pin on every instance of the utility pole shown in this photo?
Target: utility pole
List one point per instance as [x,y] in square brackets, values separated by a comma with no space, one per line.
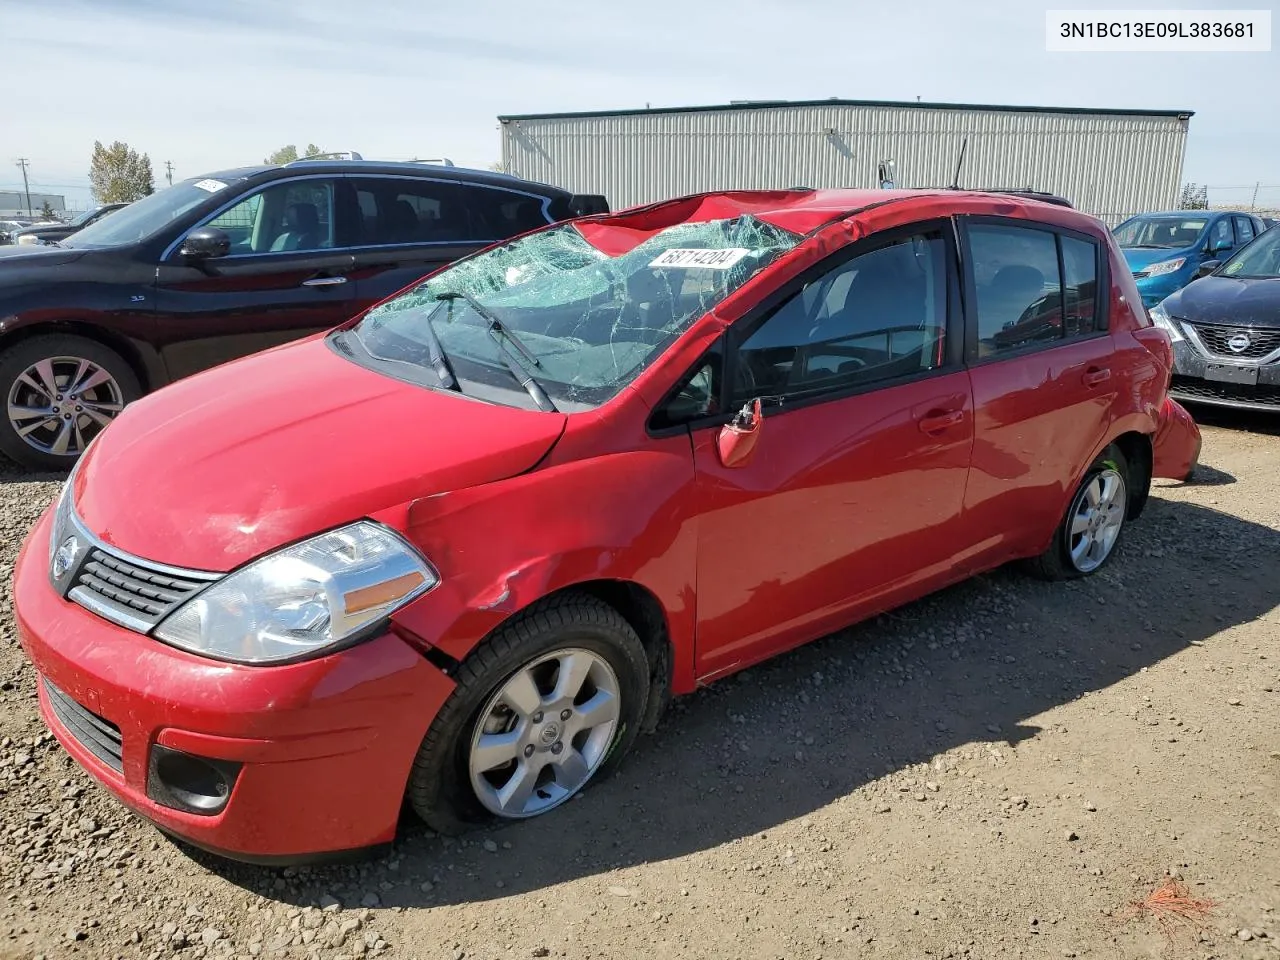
[22,162]
[1253,205]
[168,171]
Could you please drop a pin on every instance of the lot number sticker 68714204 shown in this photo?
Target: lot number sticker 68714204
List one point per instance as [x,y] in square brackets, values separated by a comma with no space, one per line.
[706,259]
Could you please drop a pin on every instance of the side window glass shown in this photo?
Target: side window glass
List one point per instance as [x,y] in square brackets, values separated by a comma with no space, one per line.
[1222,232]
[697,396]
[877,317]
[499,214]
[1082,311]
[1017,286]
[1244,230]
[238,223]
[403,211]
[289,216]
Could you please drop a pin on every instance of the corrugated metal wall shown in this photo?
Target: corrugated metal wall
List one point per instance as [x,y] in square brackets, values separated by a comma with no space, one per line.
[1108,165]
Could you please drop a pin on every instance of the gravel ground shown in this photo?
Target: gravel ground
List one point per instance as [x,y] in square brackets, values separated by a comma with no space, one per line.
[997,771]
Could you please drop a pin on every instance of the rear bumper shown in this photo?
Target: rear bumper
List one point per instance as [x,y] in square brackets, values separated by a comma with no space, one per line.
[322,749]
[1177,444]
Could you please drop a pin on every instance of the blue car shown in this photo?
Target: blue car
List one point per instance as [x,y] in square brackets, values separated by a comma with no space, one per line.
[1165,251]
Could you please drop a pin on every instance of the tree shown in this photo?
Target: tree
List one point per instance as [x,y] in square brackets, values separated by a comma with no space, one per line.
[46,211]
[119,174]
[1193,197]
[289,153]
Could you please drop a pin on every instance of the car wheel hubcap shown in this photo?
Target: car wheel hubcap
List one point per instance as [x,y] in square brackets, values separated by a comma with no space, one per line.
[545,732]
[59,404]
[1095,520]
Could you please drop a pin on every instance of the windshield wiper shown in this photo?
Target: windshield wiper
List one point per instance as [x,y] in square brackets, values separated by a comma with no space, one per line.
[436,354]
[502,337]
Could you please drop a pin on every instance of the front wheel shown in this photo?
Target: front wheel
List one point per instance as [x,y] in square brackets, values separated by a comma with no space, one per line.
[548,703]
[1090,531]
[61,392]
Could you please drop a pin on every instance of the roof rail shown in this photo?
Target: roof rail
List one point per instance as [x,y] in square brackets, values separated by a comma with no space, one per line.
[340,155]
[439,162]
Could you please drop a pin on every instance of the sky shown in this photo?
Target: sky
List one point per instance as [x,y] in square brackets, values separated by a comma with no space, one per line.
[210,84]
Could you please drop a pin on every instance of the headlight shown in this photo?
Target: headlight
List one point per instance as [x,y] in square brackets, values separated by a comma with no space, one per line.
[1160,317]
[303,599]
[1165,266]
[60,513]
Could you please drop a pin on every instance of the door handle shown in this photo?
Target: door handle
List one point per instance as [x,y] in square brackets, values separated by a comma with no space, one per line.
[940,420]
[1095,376]
[324,281]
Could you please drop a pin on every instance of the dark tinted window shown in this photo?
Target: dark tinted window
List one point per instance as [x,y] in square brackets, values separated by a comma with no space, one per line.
[1024,297]
[498,214]
[1017,286]
[876,317]
[697,396]
[1244,230]
[1082,310]
[395,211]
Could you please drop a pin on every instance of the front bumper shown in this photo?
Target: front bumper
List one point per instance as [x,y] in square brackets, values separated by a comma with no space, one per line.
[1189,383]
[325,746]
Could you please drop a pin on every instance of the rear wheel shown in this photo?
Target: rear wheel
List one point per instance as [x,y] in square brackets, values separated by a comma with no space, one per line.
[1091,529]
[60,392]
[550,702]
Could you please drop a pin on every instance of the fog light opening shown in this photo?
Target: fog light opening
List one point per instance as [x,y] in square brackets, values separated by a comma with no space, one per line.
[183,781]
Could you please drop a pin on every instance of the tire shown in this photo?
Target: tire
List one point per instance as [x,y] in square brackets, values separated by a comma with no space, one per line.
[1059,562]
[55,440]
[445,789]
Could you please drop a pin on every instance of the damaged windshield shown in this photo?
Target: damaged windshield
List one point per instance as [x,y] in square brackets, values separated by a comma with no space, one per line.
[552,316]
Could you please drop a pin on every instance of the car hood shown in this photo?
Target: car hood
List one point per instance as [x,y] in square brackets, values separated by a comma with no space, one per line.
[1140,257]
[1249,303]
[224,466]
[34,256]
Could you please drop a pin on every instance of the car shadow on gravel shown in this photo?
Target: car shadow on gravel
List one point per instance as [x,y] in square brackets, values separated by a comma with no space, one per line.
[972,664]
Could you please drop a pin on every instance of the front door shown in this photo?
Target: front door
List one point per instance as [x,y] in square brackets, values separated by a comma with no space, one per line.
[853,496]
[1043,385]
[282,280]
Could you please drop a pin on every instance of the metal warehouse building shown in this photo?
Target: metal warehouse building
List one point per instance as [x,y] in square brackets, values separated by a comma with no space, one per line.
[1110,163]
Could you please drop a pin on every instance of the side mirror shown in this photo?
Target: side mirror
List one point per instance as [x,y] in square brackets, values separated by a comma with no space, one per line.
[1207,268]
[205,243]
[737,440]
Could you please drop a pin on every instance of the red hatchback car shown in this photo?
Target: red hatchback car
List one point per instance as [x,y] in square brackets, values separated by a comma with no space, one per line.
[461,550]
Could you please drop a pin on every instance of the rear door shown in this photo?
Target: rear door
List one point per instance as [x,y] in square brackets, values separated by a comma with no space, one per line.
[285,277]
[404,227]
[853,497]
[1040,358]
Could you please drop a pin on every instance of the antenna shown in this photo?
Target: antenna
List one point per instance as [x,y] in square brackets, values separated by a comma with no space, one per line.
[955,181]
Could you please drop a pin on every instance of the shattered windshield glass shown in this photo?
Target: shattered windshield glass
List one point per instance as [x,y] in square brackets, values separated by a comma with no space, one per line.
[581,323]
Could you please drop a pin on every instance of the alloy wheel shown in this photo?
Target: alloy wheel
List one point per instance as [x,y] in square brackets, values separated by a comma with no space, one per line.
[544,733]
[58,404]
[1095,520]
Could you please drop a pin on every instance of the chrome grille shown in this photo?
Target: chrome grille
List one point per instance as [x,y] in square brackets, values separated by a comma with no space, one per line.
[129,592]
[1217,339]
[1140,275]
[96,734]
[124,589]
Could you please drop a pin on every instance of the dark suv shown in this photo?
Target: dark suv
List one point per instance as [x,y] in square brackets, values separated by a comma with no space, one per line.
[224,265]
